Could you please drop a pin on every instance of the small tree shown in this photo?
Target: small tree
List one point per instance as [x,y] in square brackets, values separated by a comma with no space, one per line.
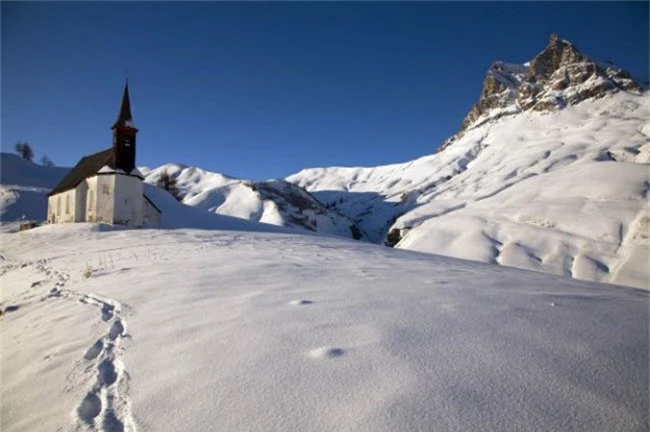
[24,150]
[167,182]
[46,161]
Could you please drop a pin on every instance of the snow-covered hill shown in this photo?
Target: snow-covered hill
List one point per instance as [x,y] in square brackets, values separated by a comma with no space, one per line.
[557,187]
[275,202]
[24,186]
[191,330]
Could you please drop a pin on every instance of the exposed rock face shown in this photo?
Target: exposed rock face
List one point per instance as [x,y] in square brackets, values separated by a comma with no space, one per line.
[558,76]
[500,90]
[393,237]
[299,207]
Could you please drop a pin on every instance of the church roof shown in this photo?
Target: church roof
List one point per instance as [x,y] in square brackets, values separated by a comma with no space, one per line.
[88,166]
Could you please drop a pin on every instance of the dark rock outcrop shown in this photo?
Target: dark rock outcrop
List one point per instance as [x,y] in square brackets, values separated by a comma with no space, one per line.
[560,76]
[393,237]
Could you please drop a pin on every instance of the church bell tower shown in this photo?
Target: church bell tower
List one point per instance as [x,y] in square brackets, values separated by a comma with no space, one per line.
[124,132]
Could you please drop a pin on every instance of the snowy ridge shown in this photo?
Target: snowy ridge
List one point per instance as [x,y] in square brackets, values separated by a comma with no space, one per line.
[563,192]
[274,202]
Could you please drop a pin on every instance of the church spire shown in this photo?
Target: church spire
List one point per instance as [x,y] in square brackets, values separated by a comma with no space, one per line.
[124,118]
[124,132]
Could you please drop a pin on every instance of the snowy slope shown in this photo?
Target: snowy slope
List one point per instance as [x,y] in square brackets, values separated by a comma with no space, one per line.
[558,187]
[275,202]
[24,186]
[187,330]
[563,192]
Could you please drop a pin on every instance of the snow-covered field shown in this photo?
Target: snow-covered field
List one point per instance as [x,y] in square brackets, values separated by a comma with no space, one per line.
[187,330]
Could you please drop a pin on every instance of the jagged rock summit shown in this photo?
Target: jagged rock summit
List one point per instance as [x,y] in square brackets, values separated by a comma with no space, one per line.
[558,76]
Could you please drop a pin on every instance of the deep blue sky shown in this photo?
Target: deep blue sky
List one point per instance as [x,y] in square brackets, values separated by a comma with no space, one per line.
[261,90]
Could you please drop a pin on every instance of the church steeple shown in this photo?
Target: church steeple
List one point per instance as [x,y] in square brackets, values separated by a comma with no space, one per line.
[124,135]
[124,117]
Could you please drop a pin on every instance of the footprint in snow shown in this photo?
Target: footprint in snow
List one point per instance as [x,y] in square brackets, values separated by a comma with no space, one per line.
[94,350]
[112,423]
[90,408]
[326,352]
[116,330]
[107,311]
[107,373]
[300,302]
[10,308]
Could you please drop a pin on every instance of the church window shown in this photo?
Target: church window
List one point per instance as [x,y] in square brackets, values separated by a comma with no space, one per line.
[67,204]
[58,205]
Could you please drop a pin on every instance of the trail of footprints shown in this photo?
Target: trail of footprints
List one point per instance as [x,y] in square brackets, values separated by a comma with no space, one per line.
[105,406]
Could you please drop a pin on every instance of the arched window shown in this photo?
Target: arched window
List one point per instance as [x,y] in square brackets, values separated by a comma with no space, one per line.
[67,203]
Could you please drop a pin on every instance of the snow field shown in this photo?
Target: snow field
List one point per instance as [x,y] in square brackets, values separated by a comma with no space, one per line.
[223,330]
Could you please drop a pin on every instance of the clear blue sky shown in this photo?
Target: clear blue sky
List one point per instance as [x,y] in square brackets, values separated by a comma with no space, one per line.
[262,90]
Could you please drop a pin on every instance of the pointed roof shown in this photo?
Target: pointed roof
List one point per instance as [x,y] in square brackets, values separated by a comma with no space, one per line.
[89,166]
[86,167]
[125,118]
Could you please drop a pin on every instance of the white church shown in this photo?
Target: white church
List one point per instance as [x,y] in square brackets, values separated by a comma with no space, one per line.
[106,186]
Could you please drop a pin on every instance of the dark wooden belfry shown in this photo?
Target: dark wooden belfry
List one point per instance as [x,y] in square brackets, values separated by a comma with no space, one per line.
[124,132]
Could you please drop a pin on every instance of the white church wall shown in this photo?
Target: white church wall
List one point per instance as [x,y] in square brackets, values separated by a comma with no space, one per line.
[91,199]
[105,199]
[129,206]
[80,202]
[61,207]
[51,209]
[151,215]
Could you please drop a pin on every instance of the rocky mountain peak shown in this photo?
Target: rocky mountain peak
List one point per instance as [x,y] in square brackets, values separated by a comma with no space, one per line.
[558,52]
[558,76]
